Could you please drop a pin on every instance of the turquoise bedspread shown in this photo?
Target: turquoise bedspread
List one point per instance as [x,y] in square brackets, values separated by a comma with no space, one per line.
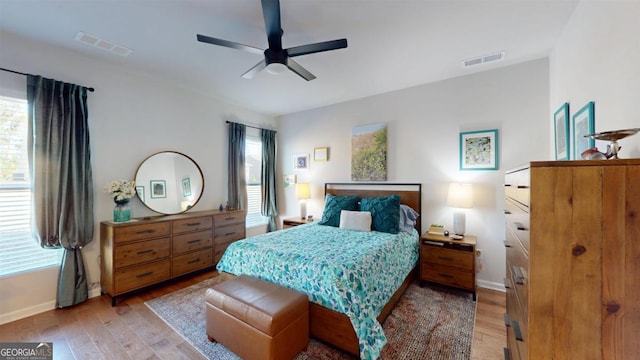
[352,272]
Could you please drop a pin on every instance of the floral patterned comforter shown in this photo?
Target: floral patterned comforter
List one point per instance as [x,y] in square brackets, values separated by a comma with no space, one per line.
[352,272]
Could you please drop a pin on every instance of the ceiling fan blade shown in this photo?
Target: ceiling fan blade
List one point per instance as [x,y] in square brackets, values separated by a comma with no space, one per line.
[249,74]
[317,47]
[271,13]
[298,69]
[229,44]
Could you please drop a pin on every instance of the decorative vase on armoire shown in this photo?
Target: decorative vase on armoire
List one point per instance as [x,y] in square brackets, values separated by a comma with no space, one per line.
[122,211]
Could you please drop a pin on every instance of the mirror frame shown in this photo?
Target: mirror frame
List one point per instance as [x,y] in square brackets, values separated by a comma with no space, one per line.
[188,158]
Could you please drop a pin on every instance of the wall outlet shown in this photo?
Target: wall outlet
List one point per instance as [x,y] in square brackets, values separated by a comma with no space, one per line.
[479,260]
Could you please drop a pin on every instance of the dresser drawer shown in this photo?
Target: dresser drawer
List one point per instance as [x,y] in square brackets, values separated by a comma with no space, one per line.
[192,224]
[192,241]
[187,263]
[516,186]
[518,220]
[228,234]
[447,257]
[140,232]
[446,275]
[139,276]
[229,218]
[142,251]
[518,271]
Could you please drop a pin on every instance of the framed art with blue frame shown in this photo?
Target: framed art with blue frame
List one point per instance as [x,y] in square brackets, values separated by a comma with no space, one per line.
[561,127]
[479,150]
[583,124]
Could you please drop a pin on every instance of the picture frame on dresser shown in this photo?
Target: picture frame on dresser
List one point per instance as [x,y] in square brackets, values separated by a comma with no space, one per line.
[479,150]
[561,132]
[583,123]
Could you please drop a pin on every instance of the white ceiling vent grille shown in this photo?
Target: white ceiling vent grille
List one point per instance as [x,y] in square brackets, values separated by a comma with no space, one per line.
[483,59]
[102,44]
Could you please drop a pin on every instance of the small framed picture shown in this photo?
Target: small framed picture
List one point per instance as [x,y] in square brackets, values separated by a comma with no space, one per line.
[321,154]
[301,162]
[479,150]
[583,124]
[290,180]
[158,189]
[561,126]
[140,192]
[186,187]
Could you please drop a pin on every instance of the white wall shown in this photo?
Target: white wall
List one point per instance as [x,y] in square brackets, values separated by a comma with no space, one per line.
[598,59]
[424,124]
[131,116]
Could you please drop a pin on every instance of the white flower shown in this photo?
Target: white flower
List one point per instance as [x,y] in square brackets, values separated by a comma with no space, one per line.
[121,189]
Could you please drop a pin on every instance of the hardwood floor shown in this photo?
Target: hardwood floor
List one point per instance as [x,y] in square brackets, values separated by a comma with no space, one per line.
[96,330]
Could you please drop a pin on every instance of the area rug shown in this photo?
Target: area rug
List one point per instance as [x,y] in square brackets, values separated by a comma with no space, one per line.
[429,322]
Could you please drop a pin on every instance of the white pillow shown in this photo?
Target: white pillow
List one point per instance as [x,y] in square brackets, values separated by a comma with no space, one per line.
[355,220]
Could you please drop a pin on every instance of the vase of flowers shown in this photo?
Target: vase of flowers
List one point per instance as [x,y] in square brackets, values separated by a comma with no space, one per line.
[121,191]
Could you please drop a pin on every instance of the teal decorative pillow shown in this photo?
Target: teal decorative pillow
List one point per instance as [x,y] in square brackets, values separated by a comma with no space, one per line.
[385,213]
[333,205]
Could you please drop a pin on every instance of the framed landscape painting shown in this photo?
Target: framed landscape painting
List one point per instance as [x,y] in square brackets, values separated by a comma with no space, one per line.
[561,126]
[583,124]
[479,150]
[369,153]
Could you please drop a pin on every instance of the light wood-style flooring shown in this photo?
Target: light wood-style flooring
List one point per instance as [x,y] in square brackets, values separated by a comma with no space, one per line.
[95,330]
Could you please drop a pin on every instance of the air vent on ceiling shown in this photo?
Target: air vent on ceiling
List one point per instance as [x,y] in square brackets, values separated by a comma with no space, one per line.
[483,59]
[102,44]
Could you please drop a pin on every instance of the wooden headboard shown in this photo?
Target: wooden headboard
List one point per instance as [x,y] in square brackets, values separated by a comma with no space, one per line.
[410,193]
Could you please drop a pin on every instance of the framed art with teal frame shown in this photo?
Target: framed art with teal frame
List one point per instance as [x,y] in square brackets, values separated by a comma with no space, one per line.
[158,189]
[561,129]
[583,124]
[479,150]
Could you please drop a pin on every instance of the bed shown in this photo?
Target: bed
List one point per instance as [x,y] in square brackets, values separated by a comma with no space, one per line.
[353,278]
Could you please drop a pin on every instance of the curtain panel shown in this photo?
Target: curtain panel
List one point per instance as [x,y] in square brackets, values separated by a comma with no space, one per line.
[269,203]
[237,183]
[62,180]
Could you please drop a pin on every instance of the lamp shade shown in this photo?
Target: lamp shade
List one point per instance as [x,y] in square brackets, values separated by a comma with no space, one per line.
[460,195]
[303,191]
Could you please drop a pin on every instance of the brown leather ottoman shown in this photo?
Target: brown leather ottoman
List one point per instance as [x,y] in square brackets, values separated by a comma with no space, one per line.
[256,319]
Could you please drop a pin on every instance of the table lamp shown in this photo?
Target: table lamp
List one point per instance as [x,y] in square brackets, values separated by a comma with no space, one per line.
[461,198]
[303,192]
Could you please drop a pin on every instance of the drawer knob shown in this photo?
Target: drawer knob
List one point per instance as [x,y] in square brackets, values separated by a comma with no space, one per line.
[145,251]
[194,261]
[519,226]
[516,330]
[446,276]
[193,241]
[507,321]
[507,283]
[145,232]
[229,218]
[231,233]
[445,258]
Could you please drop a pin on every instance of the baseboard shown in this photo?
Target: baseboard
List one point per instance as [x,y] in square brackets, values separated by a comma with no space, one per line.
[491,285]
[37,309]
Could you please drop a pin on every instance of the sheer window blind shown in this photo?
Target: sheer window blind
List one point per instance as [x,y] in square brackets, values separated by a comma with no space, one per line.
[19,251]
[253,163]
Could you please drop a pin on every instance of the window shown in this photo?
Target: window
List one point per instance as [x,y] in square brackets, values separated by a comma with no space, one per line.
[19,251]
[253,164]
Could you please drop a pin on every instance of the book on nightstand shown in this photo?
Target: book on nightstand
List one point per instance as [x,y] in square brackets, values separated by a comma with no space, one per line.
[436,229]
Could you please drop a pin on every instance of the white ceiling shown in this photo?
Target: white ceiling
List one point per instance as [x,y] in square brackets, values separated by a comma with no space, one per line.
[392,44]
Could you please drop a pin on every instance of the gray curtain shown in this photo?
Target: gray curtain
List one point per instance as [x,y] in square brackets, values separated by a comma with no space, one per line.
[269,203]
[60,166]
[237,186]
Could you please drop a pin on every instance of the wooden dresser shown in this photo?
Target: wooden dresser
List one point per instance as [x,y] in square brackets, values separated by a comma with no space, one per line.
[573,260]
[147,251]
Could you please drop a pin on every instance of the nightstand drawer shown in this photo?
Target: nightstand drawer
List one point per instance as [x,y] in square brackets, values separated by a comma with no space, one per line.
[447,275]
[447,257]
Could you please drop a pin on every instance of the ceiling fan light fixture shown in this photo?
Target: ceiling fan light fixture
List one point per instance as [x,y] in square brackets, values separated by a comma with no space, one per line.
[276,68]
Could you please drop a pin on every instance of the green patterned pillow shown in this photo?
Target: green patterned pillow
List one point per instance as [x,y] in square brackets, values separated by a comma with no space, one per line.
[333,205]
[385,213]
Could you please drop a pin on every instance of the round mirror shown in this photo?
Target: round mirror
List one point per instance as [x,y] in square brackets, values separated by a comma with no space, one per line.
[169,182]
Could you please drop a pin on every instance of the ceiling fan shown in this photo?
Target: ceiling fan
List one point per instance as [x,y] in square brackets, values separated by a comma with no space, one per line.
[277,59]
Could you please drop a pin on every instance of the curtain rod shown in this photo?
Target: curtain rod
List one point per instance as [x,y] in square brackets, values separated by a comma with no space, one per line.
[254,127]
[21,73]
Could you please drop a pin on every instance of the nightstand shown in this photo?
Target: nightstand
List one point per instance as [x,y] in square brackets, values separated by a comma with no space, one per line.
[446,261]
[295,221]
